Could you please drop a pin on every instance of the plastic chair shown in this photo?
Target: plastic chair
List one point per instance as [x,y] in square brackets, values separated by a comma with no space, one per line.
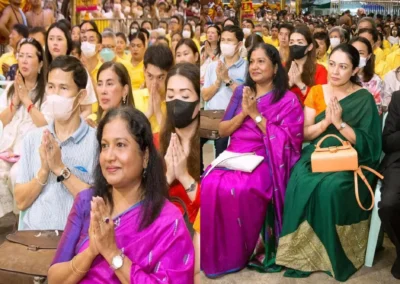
[375,225]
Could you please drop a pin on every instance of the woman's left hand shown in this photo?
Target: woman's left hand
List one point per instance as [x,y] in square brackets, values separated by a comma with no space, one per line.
[249,102]
[336,112]
[21,90]
[296,79]
[104,234]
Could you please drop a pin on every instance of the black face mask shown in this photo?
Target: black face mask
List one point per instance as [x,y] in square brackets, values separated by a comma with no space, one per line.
[181,112]
[297,51]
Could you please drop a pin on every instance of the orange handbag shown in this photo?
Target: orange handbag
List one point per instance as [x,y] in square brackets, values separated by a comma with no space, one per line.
[334,159]
[339,159]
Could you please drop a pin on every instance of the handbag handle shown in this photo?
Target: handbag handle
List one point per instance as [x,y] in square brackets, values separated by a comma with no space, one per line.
[360,173]
[327,136]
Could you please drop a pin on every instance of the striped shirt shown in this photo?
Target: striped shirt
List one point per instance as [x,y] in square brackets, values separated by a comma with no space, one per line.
[79,153]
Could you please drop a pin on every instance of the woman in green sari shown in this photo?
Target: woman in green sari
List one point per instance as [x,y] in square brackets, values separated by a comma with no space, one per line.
[324,229]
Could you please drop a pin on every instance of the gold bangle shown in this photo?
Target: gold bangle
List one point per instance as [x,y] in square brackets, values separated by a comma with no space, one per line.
[76,270]
[38,180]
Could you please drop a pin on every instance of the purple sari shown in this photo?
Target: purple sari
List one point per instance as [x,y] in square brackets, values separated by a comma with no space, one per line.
[234,203]
[163,252]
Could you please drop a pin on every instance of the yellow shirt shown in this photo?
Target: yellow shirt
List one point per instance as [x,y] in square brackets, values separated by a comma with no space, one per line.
[392,62]
[9,59]
[386,44]
[270,41]
[93,74]
[126,57]
[323,61]
[379,55]
[197,43]
[196,224]
[137,78]
[141,99]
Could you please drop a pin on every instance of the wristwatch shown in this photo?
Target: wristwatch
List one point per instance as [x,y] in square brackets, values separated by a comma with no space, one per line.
[230,82]
[342,125]
[117,261]
[64,175]
[258,119]
[303,88]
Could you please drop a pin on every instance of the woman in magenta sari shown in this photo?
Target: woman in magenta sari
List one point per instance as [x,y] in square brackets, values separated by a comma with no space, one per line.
[124,230]
[265,118]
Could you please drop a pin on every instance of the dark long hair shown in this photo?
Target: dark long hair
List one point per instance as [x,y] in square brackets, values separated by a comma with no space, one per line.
[67,35]
[189,43]
[280,81]
[123,79]
[309,68]
[369,69]
[153,188]
[41,78]
[353,55]
[192,73]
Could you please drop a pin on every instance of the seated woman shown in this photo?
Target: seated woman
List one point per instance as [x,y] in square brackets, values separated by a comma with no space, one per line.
[303,69]
[265,118]
[366,74]
[113,89]
[186,51]
[324,228]
[20,112]
[179,139]
[124,230]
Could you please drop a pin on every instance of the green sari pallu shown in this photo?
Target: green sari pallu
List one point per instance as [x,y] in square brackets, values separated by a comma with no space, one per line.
[324,229]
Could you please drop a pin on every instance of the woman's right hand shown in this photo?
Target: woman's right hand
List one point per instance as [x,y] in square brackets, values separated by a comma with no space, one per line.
[92,236]
[169,161]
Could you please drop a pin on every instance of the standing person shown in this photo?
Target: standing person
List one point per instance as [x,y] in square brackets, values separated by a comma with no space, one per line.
[390,202]
[339,240]
[265,118]
[11,16]
[304,72]
[211,50]
[8,59]
[222,78]
[285,31]
[37,17]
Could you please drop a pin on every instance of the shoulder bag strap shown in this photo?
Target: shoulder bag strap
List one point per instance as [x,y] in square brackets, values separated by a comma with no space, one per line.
[360,173]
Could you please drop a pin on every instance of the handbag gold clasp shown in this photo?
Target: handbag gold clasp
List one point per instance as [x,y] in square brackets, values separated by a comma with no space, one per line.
[333,149]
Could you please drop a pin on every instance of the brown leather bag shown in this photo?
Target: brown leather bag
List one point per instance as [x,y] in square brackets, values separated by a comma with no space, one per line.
[209,123]
[25,256]
[334,159]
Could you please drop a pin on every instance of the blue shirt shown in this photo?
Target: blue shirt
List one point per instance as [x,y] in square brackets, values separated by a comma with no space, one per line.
[237,72]
[79,153]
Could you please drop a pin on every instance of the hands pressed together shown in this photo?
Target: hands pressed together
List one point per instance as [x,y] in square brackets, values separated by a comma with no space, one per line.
[249,103]
[295,72]
[21,94]
[333,113]
[176,160]
[50,155]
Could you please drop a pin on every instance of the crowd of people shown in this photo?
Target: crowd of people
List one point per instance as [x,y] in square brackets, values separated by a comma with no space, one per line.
[99,139]
[285,83]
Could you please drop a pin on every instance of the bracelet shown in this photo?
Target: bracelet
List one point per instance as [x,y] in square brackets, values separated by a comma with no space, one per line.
[30,107]
[76,270]
[38,180]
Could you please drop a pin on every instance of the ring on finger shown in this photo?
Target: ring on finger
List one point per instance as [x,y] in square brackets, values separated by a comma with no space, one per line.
[106,220]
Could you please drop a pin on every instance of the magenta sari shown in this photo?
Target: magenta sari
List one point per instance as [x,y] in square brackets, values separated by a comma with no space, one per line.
[163,252]
[234,203]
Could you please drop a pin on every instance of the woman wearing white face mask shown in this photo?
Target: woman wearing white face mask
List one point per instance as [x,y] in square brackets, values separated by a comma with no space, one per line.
[367,76]
[188,32]
[336,37]
[20,112]
[394,35]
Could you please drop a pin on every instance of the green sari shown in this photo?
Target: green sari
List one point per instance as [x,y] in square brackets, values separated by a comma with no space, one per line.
[324,229]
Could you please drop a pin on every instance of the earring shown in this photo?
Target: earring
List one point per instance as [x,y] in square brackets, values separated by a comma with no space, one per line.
[38,71]
[124,100]
[144,174]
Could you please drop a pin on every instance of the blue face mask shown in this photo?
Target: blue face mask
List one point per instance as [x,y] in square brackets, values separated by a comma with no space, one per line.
[107,54]
[259,33]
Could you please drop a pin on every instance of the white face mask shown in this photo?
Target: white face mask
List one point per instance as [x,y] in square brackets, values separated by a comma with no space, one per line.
[133,31]
[88,49]
[334,42]
[117,7]
[161,32]
[139,13]
[246,31]
[228,50]
[127,10]
[186,34]
[363,62]
[61,108]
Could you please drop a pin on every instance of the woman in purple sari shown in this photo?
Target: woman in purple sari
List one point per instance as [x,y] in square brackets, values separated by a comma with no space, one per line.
[124,230]
[265,118]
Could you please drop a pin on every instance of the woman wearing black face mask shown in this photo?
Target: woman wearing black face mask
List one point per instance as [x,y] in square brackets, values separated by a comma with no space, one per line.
[179,138]
[302,68]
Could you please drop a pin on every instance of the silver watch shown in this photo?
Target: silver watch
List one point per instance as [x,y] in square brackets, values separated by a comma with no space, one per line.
[258,119]
[117,261]
[342,125]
